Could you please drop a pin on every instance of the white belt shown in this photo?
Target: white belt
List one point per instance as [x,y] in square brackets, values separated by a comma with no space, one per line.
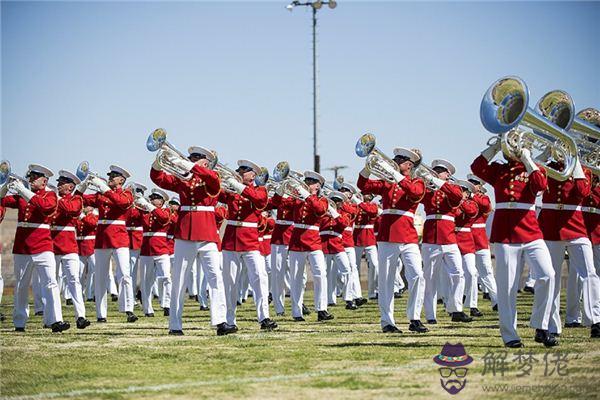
[197,208]
[155,234]
[284,222]
[267,237]
[111,222]
[463,229]
[243,224]
[32,225]
[63,228]
[332,233]
[308,227]
[592,210]
[348,229]
[92,237]
[135,228]
[568,207]
[440,216]
[398,212]
[515,206]
[364,226]
[482,226]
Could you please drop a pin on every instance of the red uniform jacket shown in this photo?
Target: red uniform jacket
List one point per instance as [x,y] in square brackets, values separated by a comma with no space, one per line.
[467,212]
[30,239]
[331,232]
[156,227]
[307,217]
[266,235]
[171,232]
[196,220]
[64,224]
[243,216]
[113,207]
[484,205]
[561,217]
[441,210]
[86,234]
[284,220]
[513,187]
[364,225]
[351,212]
[400,202]
[135,228]
[591,214]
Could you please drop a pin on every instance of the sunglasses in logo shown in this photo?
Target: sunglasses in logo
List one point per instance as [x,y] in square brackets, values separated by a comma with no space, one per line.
[446,372]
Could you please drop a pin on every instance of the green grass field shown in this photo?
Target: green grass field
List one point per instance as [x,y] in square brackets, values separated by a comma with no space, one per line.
[345,358]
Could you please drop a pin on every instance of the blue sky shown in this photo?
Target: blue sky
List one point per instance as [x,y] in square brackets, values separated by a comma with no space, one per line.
[92,80]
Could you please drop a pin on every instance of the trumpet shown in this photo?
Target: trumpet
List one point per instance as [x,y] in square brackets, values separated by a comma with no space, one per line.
[290,182]
[377,163]
[505,111]
[6,176]
[585,131]
[157,141]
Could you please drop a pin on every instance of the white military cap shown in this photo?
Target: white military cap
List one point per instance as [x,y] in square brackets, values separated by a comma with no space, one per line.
[472,177]
[444,164]
[119,170]
[40,169]
[348,186]
[161,193]
[337,195]
[175,199]
[66,174]
[403,152]
[249,164]
[466,184]
[135,186]
[210,156]
[314,175]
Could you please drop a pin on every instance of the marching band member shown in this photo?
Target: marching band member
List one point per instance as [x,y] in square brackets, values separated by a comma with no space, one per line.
[33,247]
[483,256]
[516,233]
[305,243]
[113,203]
[265,249]
[2,316]
[64,236]
[154,254]
[196,233]
[440,249]
[86,239]
[174,207]
[563,227]
[135,231]
[397,238]
[245,203]
[467,212]
[365,242]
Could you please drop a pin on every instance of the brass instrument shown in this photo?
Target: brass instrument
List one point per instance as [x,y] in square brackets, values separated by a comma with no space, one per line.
[6,176]
[585,131]
[157,141]
[377,163]
[290,182]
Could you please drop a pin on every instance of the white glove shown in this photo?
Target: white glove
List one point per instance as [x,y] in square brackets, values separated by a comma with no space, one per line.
[144,204]
[398,177]
[332,211]
[492,150]
[21,190]
[99,183]
[3,190]
[437,182]
[356,200]
[303,193]
[527,161]
[365,172]
[279,190]
[156,166]
[82,187]
[234,184]
[578,171]
[182,163]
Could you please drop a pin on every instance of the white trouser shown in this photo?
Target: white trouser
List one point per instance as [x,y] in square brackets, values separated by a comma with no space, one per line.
[338,265]
[483,263]
[269,270]
[353,278]
[280,267]
[257,277]
[202,288]
[192,280]
[389,253]
[372,265]
[443,284]
[111,281]
[596,249]
[36,286]
[71,272]
[134,256]
[125,287]
[508,260]
[529,281]
[574,296]
[297,260]
[156,268]
[60,281]
[398,280]
[207,257]
[45,267]
[89,264]
[470,271]
[581,259]
[446,256]
[243,283]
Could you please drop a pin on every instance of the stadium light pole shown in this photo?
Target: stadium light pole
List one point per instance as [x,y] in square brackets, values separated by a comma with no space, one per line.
[315,6]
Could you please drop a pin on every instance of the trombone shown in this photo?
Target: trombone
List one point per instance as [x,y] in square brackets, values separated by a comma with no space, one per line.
[157,141]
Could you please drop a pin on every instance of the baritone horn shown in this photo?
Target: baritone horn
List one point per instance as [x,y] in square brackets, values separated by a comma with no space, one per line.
[505,112]
[157,141]
[6,176]
[585,131]
[290,182]
[376,162]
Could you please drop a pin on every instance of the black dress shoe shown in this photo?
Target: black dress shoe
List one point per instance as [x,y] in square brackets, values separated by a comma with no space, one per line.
[397,295]
[69,302]
[529,289]
[239,303]
[299,319]
[461,317]
[360,301]
[138,295]
[305,310]
[60,326]
[573,325]
[432,321]
[204,308]
[331,304]
[82,323]
[90,300]
[495,308]
[514,344]
[131,317]
[440,301]
[417,326]
[267,324]
[324,316]
[486,296]
[225,329]
[114,297]
[373,298]
[149,315]
[351,306]
[166,312]
[281,314]
[270,298]
[243,300]
[19,329]
[175,332]
[2,317]
[39,313]
[542,336]
[191,297]
[101,320]
[476,313]
[390,329]
[595,330]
